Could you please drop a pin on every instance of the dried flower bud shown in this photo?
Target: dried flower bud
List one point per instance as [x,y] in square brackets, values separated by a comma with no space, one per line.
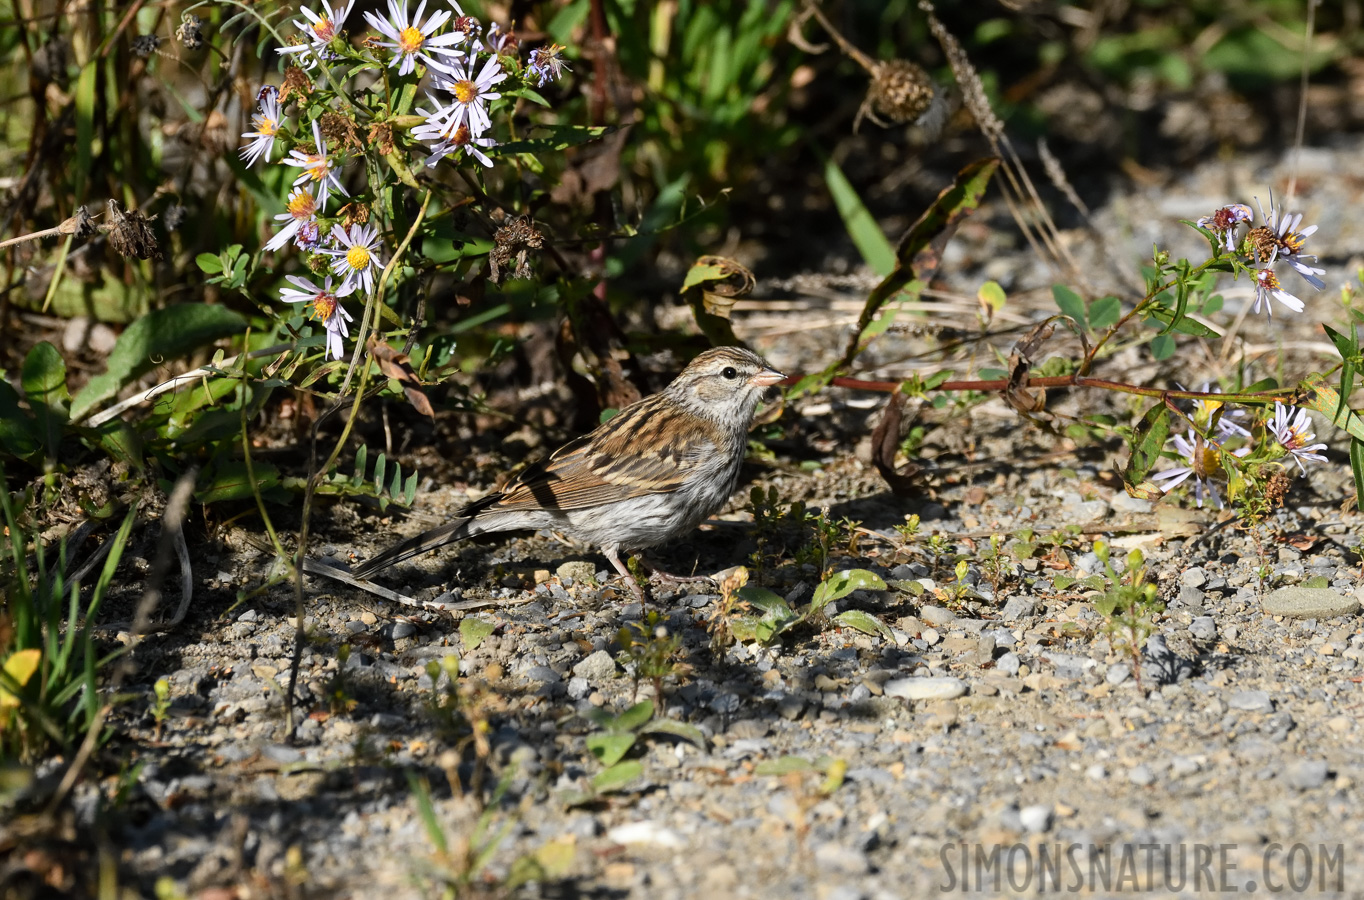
[145,45]
[381,136]
[340,129]
[514,240]
[900,91]
[82,224]
[130,233]
[190,33]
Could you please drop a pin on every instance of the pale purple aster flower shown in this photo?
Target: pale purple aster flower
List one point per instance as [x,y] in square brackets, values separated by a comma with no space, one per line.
[1293,429]
[325,308]
[266,122]
[316,167]
[320,30]
[470,106]
[299,211]
[1202,458]
[462,141]
[1289,241]
[309,236]
[1266,286]
[1223,224]
[497,42]
[547,65]
[410,40]
[356,258]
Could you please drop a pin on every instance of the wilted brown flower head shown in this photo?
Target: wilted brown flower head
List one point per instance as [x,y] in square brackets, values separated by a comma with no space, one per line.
[514,240]
[295,82]
[130,233]
[900,91]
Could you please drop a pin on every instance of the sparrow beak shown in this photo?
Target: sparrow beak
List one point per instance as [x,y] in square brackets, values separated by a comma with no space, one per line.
[767,378]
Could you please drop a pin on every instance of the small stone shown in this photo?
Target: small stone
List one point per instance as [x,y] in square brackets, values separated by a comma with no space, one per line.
[1309,603]
[1141,775]
[1194,577]
[1118,673]
[790,707]
[1018,607]
[542,674]
[936,615]
[596,668]
[1036,819]
[1008,664]
[578,688]
[572,572]
[403,630]
[930,636]
[1124,502]
[493,671]
[1306,774]
[832,857]
[940,688]
[1203,628]
[1096,772]
[1251,701]
[646,833]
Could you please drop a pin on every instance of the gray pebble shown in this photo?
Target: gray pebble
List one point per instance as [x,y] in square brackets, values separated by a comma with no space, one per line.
[936,615]
[1118,673]
[1203,628]
[1306,774]
[542,674]
[596,668]
[1008,663]
[832,857]
[941,688]
[1018,607]
[1194,577]
[1096,772]
[578,688]
[1141,775]
[1121,501]
[403,630]
[1309,603]
[1251,701]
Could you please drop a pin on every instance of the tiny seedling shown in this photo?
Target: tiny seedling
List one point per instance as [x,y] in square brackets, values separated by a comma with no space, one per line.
[618,735]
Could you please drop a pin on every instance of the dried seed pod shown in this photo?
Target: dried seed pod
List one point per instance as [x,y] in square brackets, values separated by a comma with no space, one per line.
[130,233]
[144,45]
[191,31]
[514,240]
[900,91]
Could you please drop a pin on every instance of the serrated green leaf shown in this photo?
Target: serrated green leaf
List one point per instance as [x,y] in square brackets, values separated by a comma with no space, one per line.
[610,747]
[618,776]
[156,338]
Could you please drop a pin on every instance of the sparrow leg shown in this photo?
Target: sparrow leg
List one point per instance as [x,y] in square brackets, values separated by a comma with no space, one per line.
[612,553]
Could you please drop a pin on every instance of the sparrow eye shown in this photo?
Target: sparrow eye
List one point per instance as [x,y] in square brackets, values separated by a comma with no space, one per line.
[729,372]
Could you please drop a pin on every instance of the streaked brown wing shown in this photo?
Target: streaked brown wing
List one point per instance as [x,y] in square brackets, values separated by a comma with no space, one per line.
[641,451]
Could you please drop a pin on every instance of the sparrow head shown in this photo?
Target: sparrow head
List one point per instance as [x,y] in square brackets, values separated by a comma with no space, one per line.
[724,384]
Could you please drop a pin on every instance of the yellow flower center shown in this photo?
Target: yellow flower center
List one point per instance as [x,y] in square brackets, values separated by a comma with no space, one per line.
[1268,280]
[410,40]
[317,167]
[266,126]
[357,258]
[1293,242]
[465,91]
[324,30]
[302,205]
[324,306]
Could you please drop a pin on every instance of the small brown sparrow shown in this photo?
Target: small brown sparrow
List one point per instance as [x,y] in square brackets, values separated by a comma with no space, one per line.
[654,471]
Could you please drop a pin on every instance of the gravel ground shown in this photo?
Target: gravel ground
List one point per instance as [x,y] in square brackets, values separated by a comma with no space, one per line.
[988,732]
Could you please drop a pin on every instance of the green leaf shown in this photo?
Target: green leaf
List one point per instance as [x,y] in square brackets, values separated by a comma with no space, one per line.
[841,584]
[1162,346]
[43,379]
[862,228]
[784,765]
[19,434]
[209,262]
[865,623]
[560,137]
[473,631]
[635,716]
[610,747]
[1324,398]
[991,294]
[1357,465]
[618,776]
[229,481]
[1070,304]
[1148,440]
[156,338]
[1105,312]
[677,729]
